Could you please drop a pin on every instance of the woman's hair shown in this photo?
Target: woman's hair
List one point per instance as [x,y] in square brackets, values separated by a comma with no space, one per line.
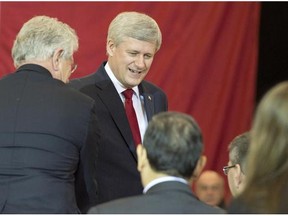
[267,160]
[135,25]
[40,37]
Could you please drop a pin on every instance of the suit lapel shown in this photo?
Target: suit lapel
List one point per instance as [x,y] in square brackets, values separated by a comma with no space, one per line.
[111,99]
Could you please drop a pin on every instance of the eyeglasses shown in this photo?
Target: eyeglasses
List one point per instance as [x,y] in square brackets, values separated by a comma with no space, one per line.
[73,65]
[226,169]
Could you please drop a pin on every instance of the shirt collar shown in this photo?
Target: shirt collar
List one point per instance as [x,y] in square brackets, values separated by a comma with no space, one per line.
[163,179]
[118,85]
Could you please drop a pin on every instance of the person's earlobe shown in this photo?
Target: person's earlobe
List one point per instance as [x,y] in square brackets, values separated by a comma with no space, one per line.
[238,175]
[200,166]
[141,156]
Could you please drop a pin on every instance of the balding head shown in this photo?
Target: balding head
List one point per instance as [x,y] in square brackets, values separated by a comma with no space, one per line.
[210,188]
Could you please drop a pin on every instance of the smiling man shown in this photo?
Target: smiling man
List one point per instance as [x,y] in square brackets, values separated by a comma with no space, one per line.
[133,40]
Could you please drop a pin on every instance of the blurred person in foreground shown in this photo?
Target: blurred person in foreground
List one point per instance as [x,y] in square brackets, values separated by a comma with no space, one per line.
[266,188]
[236,169]
[132,42]
[169,159]
[210,188]
[47,130]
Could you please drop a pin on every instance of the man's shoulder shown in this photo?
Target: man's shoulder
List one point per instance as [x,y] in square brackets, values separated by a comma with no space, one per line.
[156,202]
[116,206]
[213,210]
[78,96]
[81,82]
[151,88]
[89,79]
[150,85]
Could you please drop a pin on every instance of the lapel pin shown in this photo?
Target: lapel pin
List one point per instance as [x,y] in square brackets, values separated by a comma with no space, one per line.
[149,97]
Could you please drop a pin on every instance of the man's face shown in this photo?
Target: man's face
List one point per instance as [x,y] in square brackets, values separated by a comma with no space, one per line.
[68,69]
[235,176]
[131,60]
[210,189]
[231,179]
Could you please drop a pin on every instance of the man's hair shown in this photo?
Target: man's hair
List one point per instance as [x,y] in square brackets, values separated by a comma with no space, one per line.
[238,149]
[135,25]
[173,142]
[40,37]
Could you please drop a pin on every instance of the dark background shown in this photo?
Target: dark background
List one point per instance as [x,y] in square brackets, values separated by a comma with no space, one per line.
[273,46]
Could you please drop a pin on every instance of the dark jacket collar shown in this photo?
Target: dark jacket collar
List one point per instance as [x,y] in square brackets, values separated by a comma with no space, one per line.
[34,68]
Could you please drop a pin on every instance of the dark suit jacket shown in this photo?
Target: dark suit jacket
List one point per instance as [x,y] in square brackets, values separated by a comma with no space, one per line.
[163,198]
[45,144]
[117,174]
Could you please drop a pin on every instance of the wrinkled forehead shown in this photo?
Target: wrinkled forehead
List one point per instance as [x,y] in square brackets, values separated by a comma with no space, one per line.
[210,181]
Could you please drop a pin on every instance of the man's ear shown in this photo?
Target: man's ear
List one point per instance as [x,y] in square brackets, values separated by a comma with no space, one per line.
[110,47]
[56,59]
[142,157]
[200,166]
[238,175]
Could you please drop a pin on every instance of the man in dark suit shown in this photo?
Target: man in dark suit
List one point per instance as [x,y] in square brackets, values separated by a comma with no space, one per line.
[169,159]
[133,40]
[48,131]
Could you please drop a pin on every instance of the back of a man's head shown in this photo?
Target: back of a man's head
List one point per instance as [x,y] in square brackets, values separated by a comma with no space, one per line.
[40,37]
[173,143]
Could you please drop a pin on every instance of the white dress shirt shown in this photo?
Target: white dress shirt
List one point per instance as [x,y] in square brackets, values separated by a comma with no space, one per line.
[138,101]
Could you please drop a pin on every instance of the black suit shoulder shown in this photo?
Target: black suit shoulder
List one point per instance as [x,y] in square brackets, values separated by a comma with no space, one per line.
[163,198]
[149,87]
[51,122]
[90,79]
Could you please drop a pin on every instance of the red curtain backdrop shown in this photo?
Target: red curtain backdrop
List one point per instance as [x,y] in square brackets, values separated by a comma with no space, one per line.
[207,64]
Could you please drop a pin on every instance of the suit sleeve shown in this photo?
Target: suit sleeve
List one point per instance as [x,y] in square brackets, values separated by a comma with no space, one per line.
[162,102]
[85,182]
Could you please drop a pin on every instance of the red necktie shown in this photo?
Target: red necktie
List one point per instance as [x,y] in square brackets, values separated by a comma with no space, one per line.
[131,115]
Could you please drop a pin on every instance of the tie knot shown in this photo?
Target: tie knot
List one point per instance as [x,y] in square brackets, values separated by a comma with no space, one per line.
[128,93]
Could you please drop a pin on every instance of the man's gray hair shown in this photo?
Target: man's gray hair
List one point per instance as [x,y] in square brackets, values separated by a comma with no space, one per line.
[40,37]
[135,25]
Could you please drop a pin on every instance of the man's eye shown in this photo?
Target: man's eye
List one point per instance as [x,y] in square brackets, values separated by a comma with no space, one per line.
[132,53]
[147,56]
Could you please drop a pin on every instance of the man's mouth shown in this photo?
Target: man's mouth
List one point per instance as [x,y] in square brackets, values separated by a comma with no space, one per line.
[134,71]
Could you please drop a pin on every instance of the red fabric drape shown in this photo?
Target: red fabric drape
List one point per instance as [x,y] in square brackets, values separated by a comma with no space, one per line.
[206,65]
